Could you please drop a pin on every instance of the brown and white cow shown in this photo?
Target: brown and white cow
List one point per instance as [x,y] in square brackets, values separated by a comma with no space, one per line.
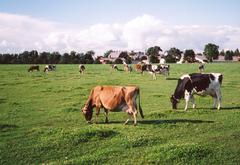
[138,67]
[200,84]
[33,67]
[81,69]
[113,98]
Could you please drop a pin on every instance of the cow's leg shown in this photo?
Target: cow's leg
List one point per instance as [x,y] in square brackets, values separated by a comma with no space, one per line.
[127,120]
[132,115]
[219,98]
[193,101]
[97,113]
[187,98]
[106,115]
[135,118]
[154,76]
[214,102]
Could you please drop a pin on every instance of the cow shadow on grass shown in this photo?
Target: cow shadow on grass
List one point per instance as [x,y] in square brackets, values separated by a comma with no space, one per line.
[172,121]
[230,108]
[222,108]
[171,78]
[6,127]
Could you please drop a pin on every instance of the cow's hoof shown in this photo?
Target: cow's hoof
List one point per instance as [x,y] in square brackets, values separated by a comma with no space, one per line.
[89,122]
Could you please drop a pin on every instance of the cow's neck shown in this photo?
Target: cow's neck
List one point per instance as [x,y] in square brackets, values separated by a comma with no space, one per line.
[89,105]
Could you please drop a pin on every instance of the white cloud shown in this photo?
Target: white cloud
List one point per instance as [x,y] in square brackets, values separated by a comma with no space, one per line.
[20,32]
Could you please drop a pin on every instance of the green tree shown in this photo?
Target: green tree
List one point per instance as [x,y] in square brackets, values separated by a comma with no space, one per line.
[189,55]
[153,53]
[54,58]
[127,58]
[229,55]
[106,54]
[173,55]
[222,53]
[89,57]
[236,53]
[33,57]
[211,51]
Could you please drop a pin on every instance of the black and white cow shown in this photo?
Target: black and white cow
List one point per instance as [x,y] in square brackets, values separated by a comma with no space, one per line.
[200,84]
[81,69]
[50,68]
[114,67]
[162,69]
[201,68]
[154,69]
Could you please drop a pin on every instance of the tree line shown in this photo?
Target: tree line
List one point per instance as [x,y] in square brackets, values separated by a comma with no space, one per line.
[33,57]
[211,52]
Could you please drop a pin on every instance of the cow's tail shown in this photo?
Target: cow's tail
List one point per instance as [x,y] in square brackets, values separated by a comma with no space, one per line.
[220,79]
[139,105]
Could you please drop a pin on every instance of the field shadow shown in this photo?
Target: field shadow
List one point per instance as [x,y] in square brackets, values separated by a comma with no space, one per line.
[5,127]
[174,121]
[173,78]
[230,108]
[222,108]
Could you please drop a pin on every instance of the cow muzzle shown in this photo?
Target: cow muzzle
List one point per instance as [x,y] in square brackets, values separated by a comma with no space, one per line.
[174,102]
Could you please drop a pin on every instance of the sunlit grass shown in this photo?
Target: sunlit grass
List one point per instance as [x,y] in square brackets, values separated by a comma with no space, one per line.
[41,120]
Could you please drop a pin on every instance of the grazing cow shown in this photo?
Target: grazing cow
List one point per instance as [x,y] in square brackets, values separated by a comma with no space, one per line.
[201,68]
[138,67]
[81,69]
[154,69]
[113,98]
[49,68]
[33,67]
[127,68]
[200,84]
[114,67]
[162,69]
[150,69]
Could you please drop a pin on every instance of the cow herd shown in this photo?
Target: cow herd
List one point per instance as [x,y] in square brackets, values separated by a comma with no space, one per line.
[47,68]
[124,98]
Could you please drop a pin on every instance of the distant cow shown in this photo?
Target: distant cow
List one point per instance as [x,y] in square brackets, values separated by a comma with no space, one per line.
[81,69]
[127,68]
[49,68]
[113,98]
[138,67]
[162,69]
[33,67]
[200,84]
[201,68]
[154,69]
[114,67]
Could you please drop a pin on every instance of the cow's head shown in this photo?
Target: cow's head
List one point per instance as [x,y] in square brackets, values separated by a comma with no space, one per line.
[174,101]
[87,112]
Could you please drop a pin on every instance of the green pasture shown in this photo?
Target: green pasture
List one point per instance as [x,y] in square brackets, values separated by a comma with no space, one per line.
[41,120]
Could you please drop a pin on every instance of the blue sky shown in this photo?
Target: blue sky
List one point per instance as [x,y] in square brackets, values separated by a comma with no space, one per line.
[87,12]
[84,14]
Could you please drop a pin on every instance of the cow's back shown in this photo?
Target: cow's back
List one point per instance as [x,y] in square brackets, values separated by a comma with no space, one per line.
[113,97]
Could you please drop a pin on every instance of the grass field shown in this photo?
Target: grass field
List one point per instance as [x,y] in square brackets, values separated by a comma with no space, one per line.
[41,119]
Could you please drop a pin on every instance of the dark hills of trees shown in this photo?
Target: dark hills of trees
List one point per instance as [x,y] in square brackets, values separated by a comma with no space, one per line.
[211,52]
